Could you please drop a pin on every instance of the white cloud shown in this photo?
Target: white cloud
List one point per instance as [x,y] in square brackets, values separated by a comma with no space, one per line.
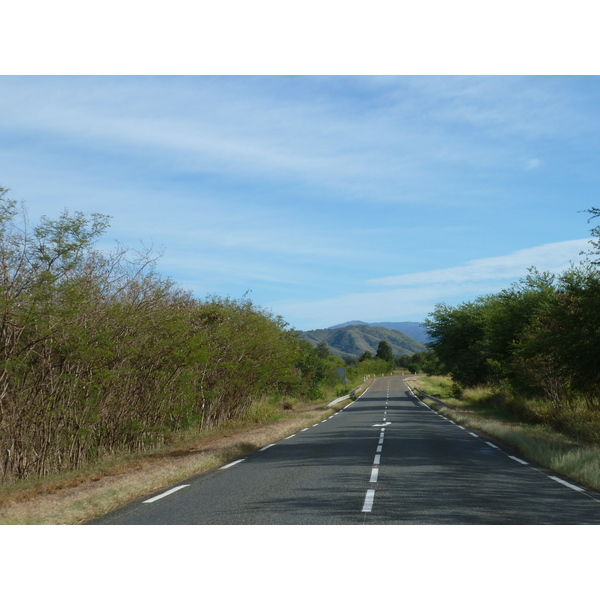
[549,257]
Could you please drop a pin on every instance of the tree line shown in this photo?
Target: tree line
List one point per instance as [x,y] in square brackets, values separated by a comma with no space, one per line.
[100,354]
[538,342]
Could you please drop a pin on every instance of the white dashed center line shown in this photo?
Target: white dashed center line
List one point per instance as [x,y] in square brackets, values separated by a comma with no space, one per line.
[369,498]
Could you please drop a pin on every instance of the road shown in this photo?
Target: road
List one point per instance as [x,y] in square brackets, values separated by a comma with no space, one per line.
[384,459]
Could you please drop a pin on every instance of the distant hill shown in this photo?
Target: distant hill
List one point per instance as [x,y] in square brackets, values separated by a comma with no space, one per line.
[410,328]
[353,340]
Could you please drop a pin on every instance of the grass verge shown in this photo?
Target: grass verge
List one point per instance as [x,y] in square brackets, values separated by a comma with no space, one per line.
[538,443]
[78,497]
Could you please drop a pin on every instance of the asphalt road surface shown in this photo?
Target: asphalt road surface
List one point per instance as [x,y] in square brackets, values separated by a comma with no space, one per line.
[384,459]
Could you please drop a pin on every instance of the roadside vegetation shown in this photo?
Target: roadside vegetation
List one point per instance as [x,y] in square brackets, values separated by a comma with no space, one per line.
[528,357]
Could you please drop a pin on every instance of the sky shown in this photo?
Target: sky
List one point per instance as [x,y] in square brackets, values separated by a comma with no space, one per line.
[322,198]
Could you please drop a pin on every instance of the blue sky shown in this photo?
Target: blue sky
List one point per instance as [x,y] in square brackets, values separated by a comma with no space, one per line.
[331,198]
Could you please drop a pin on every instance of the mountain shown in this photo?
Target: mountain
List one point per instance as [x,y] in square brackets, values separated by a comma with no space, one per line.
[353,340]
[410,328]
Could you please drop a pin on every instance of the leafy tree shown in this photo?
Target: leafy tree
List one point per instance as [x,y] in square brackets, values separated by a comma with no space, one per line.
[322,350]
[457,336]
[385,352]
[366,355]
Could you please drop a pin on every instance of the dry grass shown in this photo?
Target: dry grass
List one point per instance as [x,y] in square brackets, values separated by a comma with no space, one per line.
[75,498]
[435,385]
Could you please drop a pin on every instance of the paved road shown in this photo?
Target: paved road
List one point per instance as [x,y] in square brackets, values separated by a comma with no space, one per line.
[384,459]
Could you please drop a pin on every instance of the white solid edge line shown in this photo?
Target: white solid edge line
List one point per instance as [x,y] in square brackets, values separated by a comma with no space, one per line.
[518,460]
[167,493]
[235,462]
[570,485]
[369,498]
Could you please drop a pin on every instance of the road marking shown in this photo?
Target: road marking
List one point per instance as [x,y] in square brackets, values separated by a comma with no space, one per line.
[377,459]
[315,425]
[266,447]
[171,491]
[290,436]
[235,462]
[492,445]
[369,498]
[573,487]
[374,475]
[473,434]
[517,459]
[379,448]
[306,429]
[382,424]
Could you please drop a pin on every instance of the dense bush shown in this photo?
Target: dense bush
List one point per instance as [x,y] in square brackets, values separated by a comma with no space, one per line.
[99,353]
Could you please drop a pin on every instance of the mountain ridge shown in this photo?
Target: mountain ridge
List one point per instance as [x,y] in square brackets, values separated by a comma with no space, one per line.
[412,329]
[353,340]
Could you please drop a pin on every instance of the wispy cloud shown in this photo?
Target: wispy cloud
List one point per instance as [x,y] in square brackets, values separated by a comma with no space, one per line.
[403,147]
[553,257]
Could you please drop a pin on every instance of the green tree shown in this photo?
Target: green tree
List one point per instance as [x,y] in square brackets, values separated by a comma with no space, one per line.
[322,350]
[457,336]
[366,355]
[385,352]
